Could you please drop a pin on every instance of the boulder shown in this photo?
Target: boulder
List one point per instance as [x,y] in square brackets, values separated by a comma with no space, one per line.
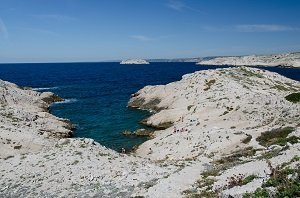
[143,132]
[127,133]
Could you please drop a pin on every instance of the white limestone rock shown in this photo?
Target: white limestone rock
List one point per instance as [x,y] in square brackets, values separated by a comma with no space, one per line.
[285,60]
[134,62]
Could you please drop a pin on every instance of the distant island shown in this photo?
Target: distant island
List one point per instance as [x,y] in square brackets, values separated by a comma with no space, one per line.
[134,62]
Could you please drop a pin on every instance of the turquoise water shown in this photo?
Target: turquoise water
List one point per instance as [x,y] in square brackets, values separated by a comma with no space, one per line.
[97,93]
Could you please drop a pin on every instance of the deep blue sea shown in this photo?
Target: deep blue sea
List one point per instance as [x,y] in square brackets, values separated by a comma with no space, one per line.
[97,93]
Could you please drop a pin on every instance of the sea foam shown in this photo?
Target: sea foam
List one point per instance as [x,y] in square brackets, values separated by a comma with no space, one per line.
[72,100]
[44,88]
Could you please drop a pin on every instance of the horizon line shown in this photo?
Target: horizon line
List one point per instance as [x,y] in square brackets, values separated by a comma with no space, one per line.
[147,59]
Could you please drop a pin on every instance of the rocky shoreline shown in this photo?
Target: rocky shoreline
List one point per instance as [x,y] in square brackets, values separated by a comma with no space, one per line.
[219,115]
[26,123]
[224,132]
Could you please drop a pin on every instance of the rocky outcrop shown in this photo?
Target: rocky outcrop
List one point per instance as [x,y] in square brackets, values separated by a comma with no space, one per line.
[219,115]
[50,97]
[158,126]
[25,120]
[139,132]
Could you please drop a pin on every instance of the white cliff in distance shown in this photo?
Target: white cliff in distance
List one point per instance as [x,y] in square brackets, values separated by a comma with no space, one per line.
[284,60]
[134,62]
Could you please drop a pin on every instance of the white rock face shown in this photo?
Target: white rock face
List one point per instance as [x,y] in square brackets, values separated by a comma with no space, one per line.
[208,106]
[204,117]
[285,60]
[134,62]
[25,121]
[213,112]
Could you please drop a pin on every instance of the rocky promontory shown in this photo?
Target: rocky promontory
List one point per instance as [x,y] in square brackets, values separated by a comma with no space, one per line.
[220,133]
[26,124]
[234,125]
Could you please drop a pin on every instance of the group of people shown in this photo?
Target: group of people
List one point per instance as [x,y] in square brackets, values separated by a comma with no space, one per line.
[179,130]
[183,129]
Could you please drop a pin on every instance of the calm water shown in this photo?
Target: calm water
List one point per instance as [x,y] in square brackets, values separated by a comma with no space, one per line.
[97,93]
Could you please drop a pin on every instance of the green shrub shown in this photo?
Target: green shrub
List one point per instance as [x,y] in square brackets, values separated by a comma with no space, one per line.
[284,180]
[261,193]
[210,172]
[276,136]
[286,186]
[248,179]
[294,97]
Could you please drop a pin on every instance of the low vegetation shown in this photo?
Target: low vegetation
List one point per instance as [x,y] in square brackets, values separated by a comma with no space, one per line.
[277,136]
[250,73]
[271,154]
[205,184]
[284,181]
[248,179]
[294,97]
[208,194]
[234,158]
[239,180]
[206,189]
[280,88]
[259,193]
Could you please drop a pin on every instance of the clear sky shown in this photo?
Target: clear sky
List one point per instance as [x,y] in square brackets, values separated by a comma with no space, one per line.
[96,30]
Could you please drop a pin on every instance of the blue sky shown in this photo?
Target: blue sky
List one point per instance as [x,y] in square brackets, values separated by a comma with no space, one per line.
[97,30]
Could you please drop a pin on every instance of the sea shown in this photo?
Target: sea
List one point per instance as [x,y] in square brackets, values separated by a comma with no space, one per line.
[96,94]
